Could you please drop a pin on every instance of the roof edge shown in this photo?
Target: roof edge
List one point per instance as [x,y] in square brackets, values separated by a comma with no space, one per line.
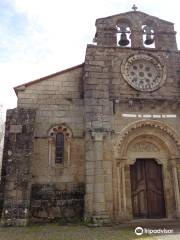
[46,77]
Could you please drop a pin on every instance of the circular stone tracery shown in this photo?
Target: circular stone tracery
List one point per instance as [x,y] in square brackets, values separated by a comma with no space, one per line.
[143,72]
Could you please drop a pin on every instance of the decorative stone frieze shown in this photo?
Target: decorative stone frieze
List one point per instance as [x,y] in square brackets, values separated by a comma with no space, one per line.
[143,72]
[143,146]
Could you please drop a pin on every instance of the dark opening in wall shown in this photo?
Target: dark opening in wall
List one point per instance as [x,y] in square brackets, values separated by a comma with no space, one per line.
[123,35]
[148,36]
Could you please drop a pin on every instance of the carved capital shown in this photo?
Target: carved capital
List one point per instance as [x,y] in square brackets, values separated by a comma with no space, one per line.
[120,161]
[98,136]
[174,161]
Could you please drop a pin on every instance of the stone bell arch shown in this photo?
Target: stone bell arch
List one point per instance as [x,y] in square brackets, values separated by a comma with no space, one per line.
[147,139]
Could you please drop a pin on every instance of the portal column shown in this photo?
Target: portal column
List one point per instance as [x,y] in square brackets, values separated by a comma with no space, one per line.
[176,187]
[121,189]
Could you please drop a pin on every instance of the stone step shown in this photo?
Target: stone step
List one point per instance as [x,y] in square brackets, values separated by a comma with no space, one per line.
[158,223]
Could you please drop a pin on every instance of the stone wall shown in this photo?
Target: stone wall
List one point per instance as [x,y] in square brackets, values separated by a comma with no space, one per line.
[44,169]
[58,101]
[107,97]
[89,100]
[154,109]
[104,66]
[63,202]
[16,166]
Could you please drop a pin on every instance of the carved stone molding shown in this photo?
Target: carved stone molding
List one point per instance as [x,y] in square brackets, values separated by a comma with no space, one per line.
[60,129]
[148,123]
[143,72]
[143,147]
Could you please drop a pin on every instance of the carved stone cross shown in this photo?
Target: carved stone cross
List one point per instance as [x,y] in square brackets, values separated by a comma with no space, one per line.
[134,7]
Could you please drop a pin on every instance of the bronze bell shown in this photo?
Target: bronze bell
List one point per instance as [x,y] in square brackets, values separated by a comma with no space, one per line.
[149,40]
[123,40]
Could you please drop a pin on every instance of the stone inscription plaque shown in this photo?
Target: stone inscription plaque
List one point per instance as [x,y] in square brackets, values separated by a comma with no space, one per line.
[15,128]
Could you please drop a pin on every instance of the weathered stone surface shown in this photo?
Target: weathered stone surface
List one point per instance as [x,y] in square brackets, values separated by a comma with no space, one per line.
[49,202]
[16,169]
[109,124]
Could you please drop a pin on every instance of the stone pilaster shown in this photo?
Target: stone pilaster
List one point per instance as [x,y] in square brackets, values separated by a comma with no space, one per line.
[95,200]
[16,166]
[98,199]
[98,122]
[99,210]
[89,173]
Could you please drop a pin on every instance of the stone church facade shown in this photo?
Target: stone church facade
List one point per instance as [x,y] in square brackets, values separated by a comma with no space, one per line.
[99,141]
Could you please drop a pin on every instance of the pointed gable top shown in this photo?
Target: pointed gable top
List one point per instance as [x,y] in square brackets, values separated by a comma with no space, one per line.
[132,14]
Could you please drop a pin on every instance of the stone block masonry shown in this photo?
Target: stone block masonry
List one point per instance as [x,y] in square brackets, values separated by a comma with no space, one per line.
[109,111]
[64,203]
[16,168]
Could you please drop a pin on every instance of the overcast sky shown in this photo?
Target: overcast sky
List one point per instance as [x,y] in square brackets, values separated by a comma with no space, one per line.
[40,37]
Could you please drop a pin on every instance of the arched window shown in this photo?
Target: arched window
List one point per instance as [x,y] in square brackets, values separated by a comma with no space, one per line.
[59,145]
[59,148]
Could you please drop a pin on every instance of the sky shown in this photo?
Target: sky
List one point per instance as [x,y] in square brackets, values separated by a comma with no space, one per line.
[40,37]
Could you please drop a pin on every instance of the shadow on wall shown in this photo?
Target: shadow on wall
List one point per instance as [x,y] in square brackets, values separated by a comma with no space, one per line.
[2,125]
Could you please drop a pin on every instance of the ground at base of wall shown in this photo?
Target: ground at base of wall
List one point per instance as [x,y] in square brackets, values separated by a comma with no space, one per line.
[74,232]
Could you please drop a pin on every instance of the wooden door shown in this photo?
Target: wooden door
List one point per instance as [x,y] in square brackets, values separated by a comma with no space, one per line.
[147,189]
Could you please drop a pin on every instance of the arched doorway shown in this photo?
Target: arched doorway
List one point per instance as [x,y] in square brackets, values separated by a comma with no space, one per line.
[151,149]
[147,191]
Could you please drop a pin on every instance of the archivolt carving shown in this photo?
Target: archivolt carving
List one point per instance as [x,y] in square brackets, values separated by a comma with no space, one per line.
[148,123]
[143,147]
